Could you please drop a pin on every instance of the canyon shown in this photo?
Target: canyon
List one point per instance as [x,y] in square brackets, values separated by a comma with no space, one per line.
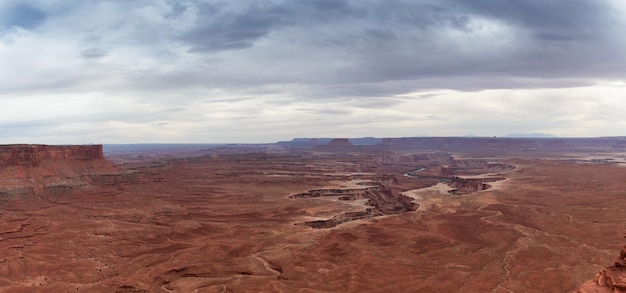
[380,215]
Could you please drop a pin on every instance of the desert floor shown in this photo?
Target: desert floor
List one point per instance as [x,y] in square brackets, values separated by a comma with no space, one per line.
[228,224]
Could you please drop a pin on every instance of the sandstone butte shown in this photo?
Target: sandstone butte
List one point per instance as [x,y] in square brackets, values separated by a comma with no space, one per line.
[33,168]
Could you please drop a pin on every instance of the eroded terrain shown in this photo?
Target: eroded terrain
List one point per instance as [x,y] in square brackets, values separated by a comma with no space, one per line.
[314,221]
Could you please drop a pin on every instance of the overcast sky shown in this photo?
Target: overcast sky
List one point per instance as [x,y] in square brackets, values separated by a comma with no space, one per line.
[203,71]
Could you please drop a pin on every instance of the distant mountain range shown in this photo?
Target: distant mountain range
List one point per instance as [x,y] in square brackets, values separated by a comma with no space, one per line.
[308,142]
[532,135]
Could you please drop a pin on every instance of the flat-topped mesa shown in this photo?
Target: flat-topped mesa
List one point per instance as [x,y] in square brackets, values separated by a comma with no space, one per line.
[337,145]
[339,142]
[44,169]
[33,155]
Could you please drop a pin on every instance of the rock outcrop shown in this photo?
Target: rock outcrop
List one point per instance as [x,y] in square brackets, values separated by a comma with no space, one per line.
[33,155]
[477,166]
[470,185]
[342,218]
[610,279]
[429,157]
[54,170]
[380,201]
[348,193]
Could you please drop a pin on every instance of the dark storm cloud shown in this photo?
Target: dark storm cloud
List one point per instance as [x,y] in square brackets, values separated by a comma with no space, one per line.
[339,43]
[376,41]
[563,20]
[23,15]
[223,27]
[220,29]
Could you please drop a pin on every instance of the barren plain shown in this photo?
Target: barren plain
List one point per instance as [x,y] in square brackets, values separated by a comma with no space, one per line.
[330,218]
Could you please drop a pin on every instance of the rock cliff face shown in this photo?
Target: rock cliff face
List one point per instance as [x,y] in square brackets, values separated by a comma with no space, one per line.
[33,155]
[433,157]
[39,169]
[470,185]
[380,201]
[351,193]
[610,279]
[471,166]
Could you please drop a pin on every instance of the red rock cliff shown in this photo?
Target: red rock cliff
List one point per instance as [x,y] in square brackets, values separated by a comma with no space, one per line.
[33,155]
[43,169]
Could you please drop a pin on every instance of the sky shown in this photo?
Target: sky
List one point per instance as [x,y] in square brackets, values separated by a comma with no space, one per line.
[203,71]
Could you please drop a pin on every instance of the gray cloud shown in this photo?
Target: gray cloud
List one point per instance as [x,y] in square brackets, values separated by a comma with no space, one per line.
[93,53]
[220,29]
[24,15]
[374,41]
[349,42]
[325,111]
[572,18]
[223,61]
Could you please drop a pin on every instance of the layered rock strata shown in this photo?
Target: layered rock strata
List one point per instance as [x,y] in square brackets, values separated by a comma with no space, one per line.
[33,155]
[380,201]
[54,170]
[470,185]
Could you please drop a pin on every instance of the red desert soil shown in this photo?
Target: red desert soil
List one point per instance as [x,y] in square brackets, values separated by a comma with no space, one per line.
[608,280]
[231,223]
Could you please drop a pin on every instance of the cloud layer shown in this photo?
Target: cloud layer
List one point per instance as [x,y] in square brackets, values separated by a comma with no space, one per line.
[260,71]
